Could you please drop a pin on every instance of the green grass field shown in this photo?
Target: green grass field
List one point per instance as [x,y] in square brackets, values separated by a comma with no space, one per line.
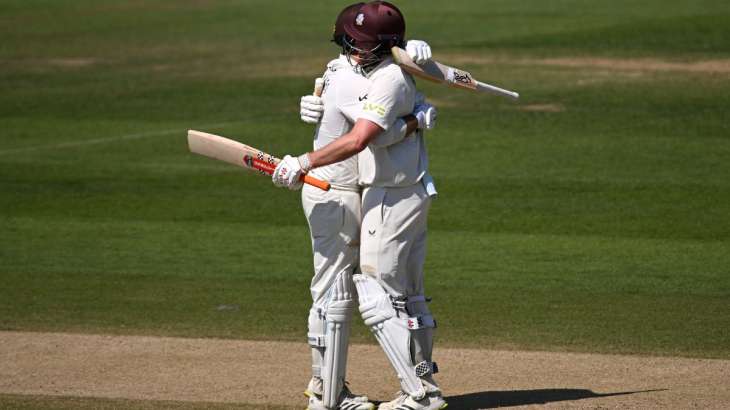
[600,224]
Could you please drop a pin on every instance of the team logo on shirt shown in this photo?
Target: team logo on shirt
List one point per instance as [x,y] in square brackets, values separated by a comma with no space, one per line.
[375,108]
[359,19]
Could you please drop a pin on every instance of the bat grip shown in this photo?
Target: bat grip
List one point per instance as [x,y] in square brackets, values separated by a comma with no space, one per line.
[324,186]
[318,87]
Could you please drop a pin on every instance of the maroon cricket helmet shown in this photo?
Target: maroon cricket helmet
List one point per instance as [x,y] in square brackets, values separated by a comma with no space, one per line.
[375,23]
[347,14]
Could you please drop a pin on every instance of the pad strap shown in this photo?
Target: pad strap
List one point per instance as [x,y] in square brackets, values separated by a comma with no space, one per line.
[316,340]
[420,322]
[425,368]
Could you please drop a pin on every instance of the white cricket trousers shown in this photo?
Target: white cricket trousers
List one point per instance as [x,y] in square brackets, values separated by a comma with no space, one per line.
[334,225]
[393,237]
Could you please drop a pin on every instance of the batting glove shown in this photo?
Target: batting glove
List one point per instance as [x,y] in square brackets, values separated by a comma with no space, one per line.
[311,108]
[426,115]
[288,173]
[419,51]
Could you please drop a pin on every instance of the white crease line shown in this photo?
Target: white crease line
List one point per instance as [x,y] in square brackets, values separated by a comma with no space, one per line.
[109,139]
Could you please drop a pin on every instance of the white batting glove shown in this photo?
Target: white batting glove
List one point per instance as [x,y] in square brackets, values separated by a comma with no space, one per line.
[288,173]
[418,50]
[426,115]
[311,109]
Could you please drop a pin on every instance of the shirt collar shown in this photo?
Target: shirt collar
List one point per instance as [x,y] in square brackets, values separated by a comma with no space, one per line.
[346,62]
[386,62]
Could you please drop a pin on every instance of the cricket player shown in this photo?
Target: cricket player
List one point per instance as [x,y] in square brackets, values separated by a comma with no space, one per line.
[334,219]
[395,202]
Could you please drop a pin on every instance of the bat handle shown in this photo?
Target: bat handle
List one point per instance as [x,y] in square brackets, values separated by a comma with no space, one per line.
[318,87]
[324,186]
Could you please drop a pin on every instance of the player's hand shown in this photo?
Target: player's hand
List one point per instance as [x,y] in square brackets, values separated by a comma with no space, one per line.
[311,108]
[288,173]
[419,51]
[426,115]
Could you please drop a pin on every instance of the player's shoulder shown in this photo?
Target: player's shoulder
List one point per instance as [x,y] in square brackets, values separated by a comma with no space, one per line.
[388,69]
[339,70]
[392,74]
[339,65]
[334,65]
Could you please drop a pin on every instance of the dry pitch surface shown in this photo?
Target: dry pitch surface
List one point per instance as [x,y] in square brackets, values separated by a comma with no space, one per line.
[235,371]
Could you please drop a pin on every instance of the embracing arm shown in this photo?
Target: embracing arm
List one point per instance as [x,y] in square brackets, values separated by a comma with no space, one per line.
[402,128]
[346,146]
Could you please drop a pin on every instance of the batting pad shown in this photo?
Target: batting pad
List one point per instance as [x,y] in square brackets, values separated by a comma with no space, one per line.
[340,305]
[391,331]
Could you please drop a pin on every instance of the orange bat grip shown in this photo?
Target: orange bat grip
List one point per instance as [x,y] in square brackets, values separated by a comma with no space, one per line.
[325,186]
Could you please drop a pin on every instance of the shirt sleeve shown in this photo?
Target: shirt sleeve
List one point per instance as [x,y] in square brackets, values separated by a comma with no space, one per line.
[349,105]
[393,135]
[381,103]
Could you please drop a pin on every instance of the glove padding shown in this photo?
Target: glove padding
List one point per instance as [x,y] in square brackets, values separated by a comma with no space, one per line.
[419,51]
[288,173]
[311,108]
[425,113]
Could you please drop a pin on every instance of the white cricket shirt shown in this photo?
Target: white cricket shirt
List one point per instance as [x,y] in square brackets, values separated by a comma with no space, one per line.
[344,92]
[392,95]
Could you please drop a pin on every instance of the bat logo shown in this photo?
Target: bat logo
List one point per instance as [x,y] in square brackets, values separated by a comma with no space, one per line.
[462,78]
[264,166]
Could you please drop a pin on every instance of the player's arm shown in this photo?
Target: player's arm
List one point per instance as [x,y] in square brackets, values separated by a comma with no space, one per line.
[378,114]
[289,170]
[402,128]
[346,146]
[364,133]
[352,109]
[423,117]
[355,106]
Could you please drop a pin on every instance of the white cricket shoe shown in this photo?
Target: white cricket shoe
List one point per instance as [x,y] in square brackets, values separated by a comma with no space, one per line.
[432,401]
[348,401]
[314,387]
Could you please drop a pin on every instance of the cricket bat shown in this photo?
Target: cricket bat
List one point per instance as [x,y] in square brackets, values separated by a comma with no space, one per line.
[441,73]
[233,152]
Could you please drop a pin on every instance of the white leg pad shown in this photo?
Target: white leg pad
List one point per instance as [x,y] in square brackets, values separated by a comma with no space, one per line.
[392,329]
[341,303]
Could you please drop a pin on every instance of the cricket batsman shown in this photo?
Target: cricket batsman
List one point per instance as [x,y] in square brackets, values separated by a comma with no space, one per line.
[397,194]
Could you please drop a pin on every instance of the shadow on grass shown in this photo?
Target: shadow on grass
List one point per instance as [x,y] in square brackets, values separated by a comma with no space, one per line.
[491,399]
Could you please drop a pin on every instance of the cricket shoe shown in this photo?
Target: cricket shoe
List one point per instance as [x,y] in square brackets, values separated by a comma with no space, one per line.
[348,401]
[314,387]
[432,401]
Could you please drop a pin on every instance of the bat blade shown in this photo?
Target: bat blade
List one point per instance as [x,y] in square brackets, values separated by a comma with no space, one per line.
[235,153]
[443,74]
